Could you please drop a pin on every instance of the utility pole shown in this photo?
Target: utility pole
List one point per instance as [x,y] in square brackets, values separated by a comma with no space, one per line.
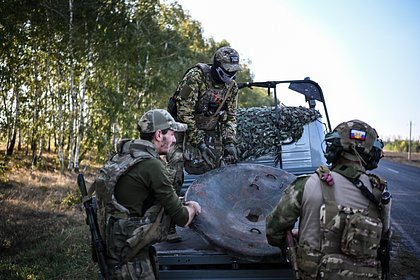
[409,144]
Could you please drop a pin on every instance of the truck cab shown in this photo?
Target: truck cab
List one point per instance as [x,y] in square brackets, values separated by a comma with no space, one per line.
[302,156]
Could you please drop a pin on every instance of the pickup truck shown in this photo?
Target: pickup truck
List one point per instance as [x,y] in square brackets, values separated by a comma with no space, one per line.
[197,257]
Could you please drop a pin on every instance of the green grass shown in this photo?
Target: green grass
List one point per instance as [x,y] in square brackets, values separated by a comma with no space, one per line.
[65,255]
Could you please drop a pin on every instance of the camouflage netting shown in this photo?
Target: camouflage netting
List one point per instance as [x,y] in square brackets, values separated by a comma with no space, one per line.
[257,132]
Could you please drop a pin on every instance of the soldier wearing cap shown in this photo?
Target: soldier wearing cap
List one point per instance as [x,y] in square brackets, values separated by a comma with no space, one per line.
[206,100]
[146,186]
[343,212]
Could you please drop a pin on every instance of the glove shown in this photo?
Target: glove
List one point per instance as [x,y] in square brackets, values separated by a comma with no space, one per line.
[207,155]
[230,154]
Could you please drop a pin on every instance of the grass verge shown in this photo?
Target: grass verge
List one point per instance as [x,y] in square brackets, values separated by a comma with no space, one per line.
[65,255]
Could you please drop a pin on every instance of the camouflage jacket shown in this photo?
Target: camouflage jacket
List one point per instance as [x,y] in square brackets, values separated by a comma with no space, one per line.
[195,86]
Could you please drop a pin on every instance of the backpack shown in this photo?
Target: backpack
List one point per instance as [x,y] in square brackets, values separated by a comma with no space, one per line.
[351,237]
[124,235]
[129,153]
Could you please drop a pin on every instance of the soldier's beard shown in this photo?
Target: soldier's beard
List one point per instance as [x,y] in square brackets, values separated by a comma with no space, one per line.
[165,146]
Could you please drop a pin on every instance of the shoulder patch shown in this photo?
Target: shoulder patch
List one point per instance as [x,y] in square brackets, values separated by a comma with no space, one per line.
[185,92]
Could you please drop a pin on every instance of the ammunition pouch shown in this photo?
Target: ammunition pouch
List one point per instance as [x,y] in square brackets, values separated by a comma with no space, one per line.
[204,122]
[339,266]
[308,260]
[361,236]
[126,236]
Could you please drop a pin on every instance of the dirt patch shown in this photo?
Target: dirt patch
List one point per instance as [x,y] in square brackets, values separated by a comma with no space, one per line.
[33,205]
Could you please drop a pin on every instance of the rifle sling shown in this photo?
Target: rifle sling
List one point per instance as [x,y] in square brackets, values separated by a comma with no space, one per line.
[228,91]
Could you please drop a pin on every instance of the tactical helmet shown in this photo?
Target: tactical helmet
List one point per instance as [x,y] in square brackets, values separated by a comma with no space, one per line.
[227,58]
[354,137]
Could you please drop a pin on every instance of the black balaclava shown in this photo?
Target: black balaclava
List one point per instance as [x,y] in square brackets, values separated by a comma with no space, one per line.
[220,75]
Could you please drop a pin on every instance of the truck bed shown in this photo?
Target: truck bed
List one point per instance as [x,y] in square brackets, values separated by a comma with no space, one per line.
[196,258]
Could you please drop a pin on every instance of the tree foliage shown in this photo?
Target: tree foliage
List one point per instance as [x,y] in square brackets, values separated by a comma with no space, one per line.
[76,75]
[399,145]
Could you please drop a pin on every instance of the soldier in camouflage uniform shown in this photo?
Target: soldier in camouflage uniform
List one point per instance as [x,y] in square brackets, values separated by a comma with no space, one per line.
[206,100]
[340,228]
[141,193]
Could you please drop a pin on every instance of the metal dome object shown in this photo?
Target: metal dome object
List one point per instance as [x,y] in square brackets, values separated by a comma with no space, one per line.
[235,200]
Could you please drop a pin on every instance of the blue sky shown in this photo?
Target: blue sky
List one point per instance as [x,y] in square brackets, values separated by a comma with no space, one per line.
[365,54]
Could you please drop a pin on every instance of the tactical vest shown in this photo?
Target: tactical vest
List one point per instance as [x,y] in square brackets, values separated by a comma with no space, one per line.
[127,237]
[350,237]
[130,152]
[207,111]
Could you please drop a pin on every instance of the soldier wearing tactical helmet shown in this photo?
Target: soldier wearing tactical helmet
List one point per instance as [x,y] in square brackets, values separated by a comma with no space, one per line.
[344,212]
[206,100]
[144,197]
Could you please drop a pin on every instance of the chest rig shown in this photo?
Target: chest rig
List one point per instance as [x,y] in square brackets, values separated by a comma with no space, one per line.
[350,237]
[211,104]
[212,97]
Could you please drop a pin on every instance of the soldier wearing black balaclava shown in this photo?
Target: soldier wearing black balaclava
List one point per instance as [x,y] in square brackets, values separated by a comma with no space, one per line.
[206,100]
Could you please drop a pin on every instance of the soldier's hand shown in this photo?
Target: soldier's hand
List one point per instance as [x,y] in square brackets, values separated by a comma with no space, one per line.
[193,210]
[207,155]
[230,153]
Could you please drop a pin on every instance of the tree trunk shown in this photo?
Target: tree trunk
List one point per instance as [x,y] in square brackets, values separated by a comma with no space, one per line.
[19,139]
[60,141]
[35,114]
[12,141]
[80,126]
[73,96]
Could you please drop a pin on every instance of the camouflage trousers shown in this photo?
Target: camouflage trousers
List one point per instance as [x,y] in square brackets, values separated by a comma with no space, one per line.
[175,167]
[184,155]
[143,266]
[129,244]
[312,264]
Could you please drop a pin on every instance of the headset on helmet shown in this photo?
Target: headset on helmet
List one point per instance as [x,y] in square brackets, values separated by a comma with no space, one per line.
[354,137]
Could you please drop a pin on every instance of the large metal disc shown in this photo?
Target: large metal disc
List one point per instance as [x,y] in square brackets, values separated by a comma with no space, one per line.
[235,200]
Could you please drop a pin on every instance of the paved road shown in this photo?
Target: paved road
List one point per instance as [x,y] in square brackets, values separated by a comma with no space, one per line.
[404,185]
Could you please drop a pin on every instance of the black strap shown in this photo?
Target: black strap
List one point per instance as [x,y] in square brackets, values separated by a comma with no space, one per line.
[365,191]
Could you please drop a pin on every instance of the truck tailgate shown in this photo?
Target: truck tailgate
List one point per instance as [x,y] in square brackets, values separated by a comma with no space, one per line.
[196,258]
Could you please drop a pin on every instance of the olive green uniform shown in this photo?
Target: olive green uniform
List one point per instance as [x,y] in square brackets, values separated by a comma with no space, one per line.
[143,191]
[148,180]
